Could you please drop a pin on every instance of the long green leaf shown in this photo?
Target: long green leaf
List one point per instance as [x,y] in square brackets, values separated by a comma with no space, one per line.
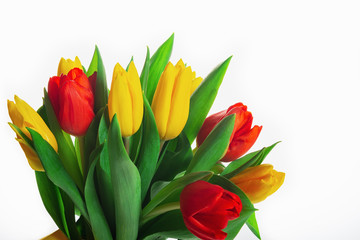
[99,225]
[253,226]
[157,65]
[51,198]
[173,186]
[125,179]
[97,78]
[56,172]
[66,148]
[149,150]
[70,216]
[214,146]
[202,100]
[249,160]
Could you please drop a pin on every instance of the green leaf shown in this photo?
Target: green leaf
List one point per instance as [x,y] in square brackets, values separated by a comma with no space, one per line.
[158,63]
[149,150]
[104,185]
[125,179]
[249,160]
[66,148]
[253,226]
[175,162]
[168,225]
[90,140]
[56,172]
[70,216]
[99,225]
[248,209]
[202,100]
[173,186]
[51,198]
[145,71]
[214,146]
[97,78]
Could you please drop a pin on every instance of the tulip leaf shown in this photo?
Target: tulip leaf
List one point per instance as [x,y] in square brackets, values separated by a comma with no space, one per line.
[56,172]
[149,150]
[145,71]
[248,209]
[90,140]
[253,226]
[125,179]
[50,196]
[97,78]
[214,146]
[105,188]
[66,148]
[203,98]
[158,63]
[99,225]
[176,161]
[168,225]
[249,160]
[172,187]
[70,216]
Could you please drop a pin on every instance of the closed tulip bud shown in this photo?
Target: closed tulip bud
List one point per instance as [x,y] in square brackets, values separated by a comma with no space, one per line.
[243,136]
[126,100]
[66,65]
[171,100]
[259,182]
[23,116]
[72,99]
[207,208]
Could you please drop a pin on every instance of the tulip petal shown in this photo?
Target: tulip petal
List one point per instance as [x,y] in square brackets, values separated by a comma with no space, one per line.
[136,96]
[180,103]
[161,103]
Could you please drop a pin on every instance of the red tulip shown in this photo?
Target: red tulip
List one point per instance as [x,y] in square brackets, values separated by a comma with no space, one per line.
[73,101]
[242,137]
[207,208]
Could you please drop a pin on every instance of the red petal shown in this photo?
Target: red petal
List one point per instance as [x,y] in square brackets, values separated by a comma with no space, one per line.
[53,92]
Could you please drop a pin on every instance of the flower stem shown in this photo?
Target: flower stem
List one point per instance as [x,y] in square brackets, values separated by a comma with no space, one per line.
[158,211]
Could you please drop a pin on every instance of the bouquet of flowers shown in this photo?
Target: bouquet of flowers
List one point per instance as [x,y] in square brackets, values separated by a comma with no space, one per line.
[119,163]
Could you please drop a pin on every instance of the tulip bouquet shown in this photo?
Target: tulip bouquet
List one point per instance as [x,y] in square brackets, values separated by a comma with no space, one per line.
[119,163]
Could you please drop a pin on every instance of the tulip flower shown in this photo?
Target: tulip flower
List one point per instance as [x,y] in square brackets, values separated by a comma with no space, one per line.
[66,65]
[195,83]
[171,100]
[23,116]
[72,99]
[125,99]
[243,136]
[259,182]
[207,208]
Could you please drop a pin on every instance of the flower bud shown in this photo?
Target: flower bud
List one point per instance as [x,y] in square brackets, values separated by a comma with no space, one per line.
[66,65]
[23,116]
[259,182]
[126,100]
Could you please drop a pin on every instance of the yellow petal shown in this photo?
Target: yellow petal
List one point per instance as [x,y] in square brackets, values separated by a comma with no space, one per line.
[180,103]
[195,83]
[31,155]
[14,114]
[66,65]
[136,95]
[33,120]
[120,101]
[162,98]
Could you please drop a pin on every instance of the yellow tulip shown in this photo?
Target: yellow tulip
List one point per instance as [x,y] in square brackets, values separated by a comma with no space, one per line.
[125,99]
[22,116]
[66,65]
[259,182]
[171,100]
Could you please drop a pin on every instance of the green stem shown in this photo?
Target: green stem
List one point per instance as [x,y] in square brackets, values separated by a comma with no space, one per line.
[82,155]
[158,211]
[127,144]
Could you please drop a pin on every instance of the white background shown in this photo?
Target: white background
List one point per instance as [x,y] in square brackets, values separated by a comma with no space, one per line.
[295,65]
